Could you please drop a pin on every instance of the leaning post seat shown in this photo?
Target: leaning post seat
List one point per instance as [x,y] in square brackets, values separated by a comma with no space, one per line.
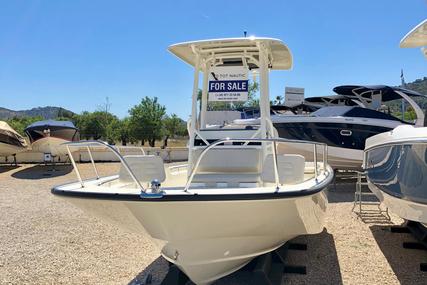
[145,167]
[230,165]
[290,168]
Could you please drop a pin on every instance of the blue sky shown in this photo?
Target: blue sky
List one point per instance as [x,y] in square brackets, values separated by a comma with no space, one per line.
[76,53]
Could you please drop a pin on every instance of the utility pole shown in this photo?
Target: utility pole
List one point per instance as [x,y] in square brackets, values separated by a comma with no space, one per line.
[403,85]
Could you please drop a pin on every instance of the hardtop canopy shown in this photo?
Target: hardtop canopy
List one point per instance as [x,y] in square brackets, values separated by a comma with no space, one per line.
[51,123]
[417,37]
[230,51]
[366,91]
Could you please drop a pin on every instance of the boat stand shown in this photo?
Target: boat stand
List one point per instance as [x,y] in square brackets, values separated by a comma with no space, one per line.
[417,231]
[363,197]
[267,269]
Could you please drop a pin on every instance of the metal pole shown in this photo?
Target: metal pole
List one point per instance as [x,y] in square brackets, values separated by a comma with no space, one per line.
[93,162]
[315,160]
[325,156]
[204,99]
[194,107]
[263,84]
[276,170]
[75,166]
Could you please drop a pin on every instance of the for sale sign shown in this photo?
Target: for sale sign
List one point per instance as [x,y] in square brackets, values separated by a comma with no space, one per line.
[227,84]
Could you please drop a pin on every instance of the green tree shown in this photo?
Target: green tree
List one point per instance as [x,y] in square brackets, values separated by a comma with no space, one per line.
[119,130]
[146,120]
[173,126]
[20,123]
[94,124]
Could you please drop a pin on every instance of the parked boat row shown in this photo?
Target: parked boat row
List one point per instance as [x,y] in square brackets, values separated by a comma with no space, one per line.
[47,137]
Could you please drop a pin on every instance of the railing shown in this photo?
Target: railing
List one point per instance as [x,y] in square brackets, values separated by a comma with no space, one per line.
[273,141]
[90,143]
[274,151]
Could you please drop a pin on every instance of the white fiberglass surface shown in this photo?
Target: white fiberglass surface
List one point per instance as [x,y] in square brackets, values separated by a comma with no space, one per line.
[112,185]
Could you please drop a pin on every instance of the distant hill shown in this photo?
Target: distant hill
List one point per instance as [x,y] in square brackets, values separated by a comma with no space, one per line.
[419,85]
[48,112]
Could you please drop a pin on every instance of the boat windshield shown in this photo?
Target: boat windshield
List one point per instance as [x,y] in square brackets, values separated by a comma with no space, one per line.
[349,111]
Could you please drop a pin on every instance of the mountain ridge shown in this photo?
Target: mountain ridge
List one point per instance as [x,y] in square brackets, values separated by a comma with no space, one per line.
[47,112]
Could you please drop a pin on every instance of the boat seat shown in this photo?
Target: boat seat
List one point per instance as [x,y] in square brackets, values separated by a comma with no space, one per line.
[229,165]
[145,167]
[229,160]
[290,167]
[233,178]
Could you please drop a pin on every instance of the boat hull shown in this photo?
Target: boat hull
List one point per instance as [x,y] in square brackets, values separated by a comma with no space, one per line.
[397,175]
[226,233]
[54,146]
[345,137]
[8,149]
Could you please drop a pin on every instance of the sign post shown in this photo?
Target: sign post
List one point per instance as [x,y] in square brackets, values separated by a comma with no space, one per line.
[228,84]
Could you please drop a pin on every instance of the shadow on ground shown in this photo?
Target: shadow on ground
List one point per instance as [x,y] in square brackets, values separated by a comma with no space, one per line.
[42,171]
[320,260]
[6,168]
[404,262]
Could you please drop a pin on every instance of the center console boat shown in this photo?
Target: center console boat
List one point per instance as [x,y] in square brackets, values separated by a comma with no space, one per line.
[239,197]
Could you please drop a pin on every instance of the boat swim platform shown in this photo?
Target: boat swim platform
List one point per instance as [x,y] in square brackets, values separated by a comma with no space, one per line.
[267,269]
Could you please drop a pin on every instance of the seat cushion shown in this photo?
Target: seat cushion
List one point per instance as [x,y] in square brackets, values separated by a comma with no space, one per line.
[290,168]
[145,167]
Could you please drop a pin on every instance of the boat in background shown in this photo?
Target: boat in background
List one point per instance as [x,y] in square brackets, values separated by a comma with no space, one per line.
[395,163]
[345,128]
[11,142]
[238,198]
[49,136]
[417,37]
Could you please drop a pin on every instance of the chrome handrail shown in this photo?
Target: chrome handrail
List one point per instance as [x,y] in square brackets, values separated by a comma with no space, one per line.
[272,140]
[90,143]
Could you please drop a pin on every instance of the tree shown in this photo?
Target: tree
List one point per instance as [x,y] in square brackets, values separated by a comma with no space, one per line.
[119,130]
[94,125]
[20,123]
[173,126]
[146,120]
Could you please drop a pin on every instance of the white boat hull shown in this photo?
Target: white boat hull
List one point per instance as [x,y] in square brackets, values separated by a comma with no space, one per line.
[52,145]
[238,230]
[407,210]
[208,232]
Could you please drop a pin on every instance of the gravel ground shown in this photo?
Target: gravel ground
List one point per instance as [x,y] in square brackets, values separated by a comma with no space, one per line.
[44,240]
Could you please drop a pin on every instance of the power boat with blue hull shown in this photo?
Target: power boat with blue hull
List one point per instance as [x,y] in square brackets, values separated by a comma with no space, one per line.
[396,169]
[238,197]
[11,142]
[49,136]
[396,161]
[345,128]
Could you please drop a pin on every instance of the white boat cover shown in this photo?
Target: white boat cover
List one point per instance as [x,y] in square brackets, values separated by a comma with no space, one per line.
[7,130]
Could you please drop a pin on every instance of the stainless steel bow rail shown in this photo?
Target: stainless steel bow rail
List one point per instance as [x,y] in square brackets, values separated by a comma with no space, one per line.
[90,143]
[274,150]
